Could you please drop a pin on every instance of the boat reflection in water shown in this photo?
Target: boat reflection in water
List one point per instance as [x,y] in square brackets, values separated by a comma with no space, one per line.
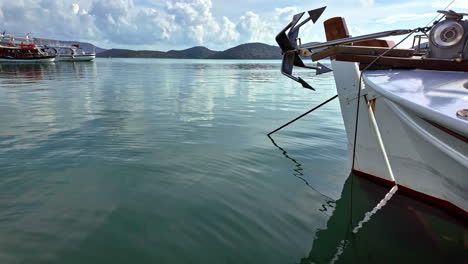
[27,72]
[404,230]
[22,73]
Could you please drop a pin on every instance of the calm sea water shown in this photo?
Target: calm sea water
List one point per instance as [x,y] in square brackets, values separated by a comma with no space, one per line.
[167,161]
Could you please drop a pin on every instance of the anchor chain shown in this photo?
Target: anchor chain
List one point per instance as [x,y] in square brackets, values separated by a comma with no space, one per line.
[422,29]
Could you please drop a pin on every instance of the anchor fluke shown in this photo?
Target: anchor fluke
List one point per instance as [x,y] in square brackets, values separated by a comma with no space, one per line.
[296,19]
[321,69]
[304,84]
[289,60]
[316,13]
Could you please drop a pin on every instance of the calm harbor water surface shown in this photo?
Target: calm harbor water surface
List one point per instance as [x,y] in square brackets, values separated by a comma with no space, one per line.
[167,161]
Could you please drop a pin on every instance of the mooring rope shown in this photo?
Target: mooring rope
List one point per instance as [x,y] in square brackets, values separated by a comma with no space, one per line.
[357,115]
[345,242]
[304,114]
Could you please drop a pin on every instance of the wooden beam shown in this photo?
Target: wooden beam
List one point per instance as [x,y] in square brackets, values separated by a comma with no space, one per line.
[414,62]
[358,50]
[375,43]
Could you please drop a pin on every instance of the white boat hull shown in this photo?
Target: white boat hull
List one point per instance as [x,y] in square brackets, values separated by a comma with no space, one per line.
[427,160]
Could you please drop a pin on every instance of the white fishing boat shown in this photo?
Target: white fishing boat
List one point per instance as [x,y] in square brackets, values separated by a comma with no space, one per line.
[405,111]
[74,53]
[63,50]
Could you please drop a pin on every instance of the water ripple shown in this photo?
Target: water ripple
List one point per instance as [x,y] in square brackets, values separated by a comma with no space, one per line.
[164,161]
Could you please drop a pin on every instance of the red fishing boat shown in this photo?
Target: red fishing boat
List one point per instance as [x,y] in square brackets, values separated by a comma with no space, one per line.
[24,53]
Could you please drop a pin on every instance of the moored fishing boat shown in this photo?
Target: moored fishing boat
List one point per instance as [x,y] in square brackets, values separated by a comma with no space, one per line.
[63,50]
[24,53]
[75,53]
[404,110]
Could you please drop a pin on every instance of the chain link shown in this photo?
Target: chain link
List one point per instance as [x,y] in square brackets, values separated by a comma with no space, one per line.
[422,29]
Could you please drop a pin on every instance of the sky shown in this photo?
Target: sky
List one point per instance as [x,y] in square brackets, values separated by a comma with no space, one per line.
[217,24]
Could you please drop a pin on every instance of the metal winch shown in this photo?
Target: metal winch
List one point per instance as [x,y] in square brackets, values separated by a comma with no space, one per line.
[448,39]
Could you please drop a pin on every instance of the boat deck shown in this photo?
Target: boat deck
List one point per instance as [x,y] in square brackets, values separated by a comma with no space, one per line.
[433,95]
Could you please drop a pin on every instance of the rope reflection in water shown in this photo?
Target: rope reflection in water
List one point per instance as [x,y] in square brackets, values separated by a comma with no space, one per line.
[298,174]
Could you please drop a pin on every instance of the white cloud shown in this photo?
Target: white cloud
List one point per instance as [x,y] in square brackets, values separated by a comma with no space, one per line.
[366,3]
[460,4]
[184,23]
[254,27]
[228,32]
[177,23]
[76,8]
[194,19]
[47,17]
[404,17]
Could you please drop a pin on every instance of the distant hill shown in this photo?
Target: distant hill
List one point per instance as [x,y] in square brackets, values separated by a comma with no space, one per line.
[249,51]
[244,51]
[125,53]
[198,52]
[191,53]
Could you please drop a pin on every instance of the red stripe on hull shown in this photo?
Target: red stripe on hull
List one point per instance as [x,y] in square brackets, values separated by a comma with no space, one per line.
[446,205]
[448,131]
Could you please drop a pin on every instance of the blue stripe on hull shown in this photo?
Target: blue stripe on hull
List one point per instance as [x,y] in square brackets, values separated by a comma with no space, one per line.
[81,57]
